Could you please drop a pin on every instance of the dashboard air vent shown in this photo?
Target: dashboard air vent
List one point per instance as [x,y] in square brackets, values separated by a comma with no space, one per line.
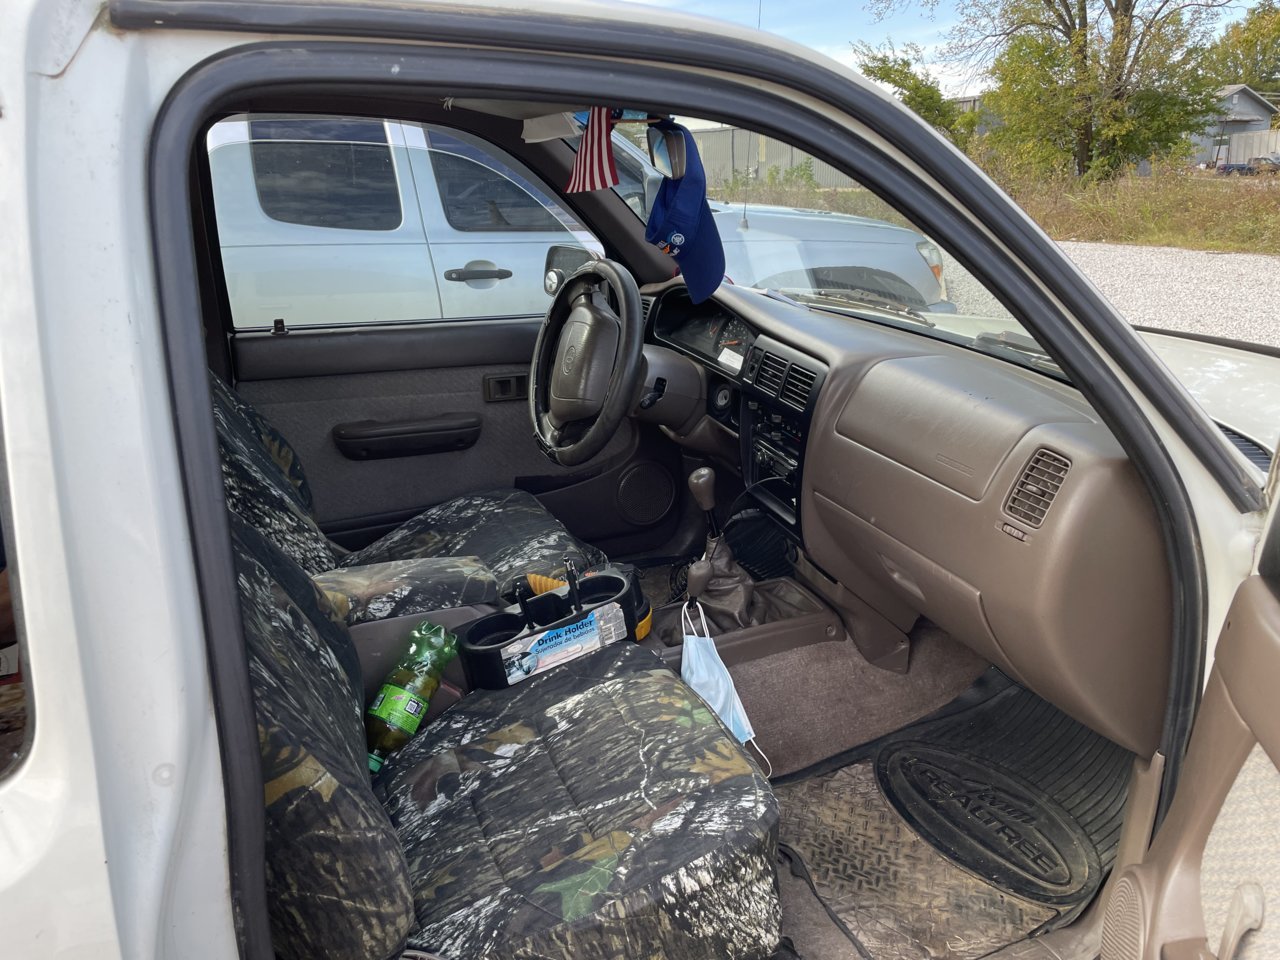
[796,387]
[646,306]
[1032,495]
[773,369]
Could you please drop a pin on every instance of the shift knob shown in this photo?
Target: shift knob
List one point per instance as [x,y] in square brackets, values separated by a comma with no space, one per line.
[698,577]
[702,484]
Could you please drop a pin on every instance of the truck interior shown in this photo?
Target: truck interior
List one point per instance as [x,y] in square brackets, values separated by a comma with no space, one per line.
[945,603]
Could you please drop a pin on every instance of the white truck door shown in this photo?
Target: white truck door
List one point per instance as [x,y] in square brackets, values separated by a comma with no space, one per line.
[489,223]
[318,222]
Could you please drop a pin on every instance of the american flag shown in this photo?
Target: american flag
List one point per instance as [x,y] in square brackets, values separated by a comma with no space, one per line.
[593,168]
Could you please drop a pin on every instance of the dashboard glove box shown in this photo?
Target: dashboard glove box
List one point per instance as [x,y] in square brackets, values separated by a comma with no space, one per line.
[507,647]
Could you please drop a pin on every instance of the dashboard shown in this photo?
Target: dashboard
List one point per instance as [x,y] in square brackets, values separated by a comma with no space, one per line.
[920,478]
[763,390]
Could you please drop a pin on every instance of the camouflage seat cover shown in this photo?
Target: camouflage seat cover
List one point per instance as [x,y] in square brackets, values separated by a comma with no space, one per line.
[337,882]
[508,531]
[599,810]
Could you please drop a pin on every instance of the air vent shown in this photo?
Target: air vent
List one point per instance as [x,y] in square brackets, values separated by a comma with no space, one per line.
[646,305]
[1253,451]
[773,370]
[795,389]
[753,362]
[1031,496]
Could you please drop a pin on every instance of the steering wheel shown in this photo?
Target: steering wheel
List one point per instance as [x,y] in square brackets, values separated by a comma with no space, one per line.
[587,362]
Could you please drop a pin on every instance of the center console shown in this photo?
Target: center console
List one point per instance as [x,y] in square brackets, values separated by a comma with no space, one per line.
[779,389]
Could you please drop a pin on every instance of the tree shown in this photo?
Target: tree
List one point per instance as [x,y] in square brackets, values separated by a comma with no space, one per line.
[1248,51]
[1038,108]
[903,70]
[1120,73]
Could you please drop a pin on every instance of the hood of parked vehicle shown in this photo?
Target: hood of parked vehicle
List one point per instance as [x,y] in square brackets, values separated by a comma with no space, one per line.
[797,223]
[1238,384]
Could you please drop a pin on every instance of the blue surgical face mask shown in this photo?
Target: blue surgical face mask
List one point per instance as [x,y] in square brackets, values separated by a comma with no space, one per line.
[702,669]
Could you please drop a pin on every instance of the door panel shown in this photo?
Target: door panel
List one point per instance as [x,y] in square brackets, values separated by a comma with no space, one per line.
[1215,860]
[307,409]
[352,350]
[308,382]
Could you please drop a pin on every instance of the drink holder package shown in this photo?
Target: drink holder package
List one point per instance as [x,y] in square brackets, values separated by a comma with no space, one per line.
[505,648]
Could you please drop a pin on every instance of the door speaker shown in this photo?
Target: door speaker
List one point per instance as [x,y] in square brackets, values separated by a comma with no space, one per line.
[646,493]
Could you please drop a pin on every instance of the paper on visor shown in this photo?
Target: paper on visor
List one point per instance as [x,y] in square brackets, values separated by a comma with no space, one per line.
[554,126]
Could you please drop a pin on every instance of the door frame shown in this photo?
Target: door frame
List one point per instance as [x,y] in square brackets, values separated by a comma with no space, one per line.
[773,90]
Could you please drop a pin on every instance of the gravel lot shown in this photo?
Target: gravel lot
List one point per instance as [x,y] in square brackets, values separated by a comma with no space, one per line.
[1235,295]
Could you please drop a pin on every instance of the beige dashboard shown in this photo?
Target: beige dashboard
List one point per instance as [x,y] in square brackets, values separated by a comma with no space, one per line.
[945,483]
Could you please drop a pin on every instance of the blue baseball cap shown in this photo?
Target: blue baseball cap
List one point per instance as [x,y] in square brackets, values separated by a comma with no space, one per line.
[681,225]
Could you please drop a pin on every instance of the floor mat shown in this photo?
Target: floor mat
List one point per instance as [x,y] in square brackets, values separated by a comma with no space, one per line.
[959,835]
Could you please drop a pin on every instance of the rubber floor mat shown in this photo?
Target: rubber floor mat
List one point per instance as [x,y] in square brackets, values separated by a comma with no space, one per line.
[957,836]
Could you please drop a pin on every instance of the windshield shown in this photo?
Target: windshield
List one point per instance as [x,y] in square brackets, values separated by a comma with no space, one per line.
[799,227]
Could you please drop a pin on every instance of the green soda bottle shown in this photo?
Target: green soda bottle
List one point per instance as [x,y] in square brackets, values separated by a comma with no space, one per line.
[397,711]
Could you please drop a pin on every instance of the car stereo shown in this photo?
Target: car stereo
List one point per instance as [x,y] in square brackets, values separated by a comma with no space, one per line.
[780,387]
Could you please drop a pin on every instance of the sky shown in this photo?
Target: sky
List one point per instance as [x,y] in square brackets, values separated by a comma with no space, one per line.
[831,26]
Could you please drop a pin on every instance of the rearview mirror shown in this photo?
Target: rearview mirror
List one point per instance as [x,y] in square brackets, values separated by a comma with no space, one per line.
[666,152]
[562,260]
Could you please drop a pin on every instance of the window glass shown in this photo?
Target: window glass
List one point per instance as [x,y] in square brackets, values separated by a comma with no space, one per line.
[330,172]
[338,221]
[477,197]
[792,223]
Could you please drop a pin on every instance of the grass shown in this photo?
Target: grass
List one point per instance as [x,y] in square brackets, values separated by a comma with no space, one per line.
[1192,209]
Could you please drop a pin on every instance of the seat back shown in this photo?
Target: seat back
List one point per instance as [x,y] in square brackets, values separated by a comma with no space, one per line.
[257,439]
[337,881]
[264,482]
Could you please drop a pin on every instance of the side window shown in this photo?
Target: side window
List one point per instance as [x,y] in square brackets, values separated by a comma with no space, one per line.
[325,173]
[490,223]
[477,198]
[341,221]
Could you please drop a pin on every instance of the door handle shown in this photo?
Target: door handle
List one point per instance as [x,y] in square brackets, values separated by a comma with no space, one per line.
[463,274]
[379,440]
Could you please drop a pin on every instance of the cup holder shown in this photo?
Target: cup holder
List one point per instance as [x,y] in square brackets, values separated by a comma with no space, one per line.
[601,587]
[547,608]
[511,645]
[494,630]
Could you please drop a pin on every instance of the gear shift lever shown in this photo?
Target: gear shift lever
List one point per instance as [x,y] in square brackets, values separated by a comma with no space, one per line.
[702,484]
[715,580]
